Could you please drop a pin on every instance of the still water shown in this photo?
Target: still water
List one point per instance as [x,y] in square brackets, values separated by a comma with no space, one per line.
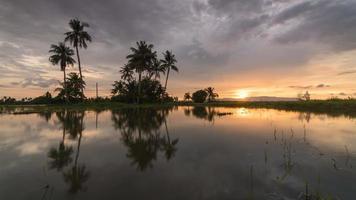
[176,153]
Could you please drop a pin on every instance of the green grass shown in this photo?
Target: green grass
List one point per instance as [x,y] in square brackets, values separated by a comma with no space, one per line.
[330,107]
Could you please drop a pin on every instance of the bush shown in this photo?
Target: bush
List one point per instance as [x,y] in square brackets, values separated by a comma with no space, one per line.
[126,91]
[199,96]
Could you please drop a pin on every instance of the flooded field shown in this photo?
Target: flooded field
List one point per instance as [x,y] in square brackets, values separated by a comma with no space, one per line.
[176,153]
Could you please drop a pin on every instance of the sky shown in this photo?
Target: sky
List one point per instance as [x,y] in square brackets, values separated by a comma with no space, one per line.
[239,47]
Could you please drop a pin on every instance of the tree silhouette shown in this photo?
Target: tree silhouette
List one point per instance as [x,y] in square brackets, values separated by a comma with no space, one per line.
[169,63]
[140,60]
[211,94]
[74,88]
[78,38]
[61,55]
[187,96]
[156,69]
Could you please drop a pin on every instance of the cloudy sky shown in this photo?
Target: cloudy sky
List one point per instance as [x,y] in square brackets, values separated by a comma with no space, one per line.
[260,47]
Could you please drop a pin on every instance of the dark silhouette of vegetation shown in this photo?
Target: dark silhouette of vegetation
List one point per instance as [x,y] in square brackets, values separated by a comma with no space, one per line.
[140,132]
[140,76]
[44,99]
[73,89]
[140,60]
[78,38]
[187,96]
[199,96]
[304,97]
[211,94]
[126,91]
[61,55]
[168,63]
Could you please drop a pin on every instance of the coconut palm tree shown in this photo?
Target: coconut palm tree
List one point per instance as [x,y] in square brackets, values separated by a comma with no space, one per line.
[211,93]
[126,72]
[61,55]
[156,69]
[187,96]
[140,60]
[169,63]
[78,38]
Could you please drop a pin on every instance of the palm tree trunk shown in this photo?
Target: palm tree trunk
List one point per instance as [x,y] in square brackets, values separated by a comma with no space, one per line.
[64,134]
[79,66]
[139,87]
[65,84]
[165,85]
[167,133]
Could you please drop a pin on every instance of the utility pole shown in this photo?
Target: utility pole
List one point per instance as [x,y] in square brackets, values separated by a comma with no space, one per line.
[96,86]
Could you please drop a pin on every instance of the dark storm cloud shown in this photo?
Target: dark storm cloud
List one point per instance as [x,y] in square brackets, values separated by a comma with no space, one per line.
[327,22]
[236,6]
[206,36]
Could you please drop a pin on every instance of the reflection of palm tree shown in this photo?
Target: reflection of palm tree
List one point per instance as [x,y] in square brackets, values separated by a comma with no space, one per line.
[60,157]
[72,124]
[168,145]
[140,133]
[142,150]
[77,175]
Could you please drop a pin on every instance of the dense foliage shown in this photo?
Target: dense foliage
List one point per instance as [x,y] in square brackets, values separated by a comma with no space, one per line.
[140,76]
[199,96]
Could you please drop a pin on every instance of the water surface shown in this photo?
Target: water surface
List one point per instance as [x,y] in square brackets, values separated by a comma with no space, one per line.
[176,153]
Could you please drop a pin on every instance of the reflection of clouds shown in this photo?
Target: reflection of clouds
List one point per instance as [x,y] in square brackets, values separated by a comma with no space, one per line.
[29,148]
[212,161]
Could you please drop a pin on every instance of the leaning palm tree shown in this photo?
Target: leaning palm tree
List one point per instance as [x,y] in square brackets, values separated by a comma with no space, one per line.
[169,63]
[61,55]
[140,60]
[211,93]
[78,37]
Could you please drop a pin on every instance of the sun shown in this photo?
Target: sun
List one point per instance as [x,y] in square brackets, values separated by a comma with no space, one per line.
[242,94]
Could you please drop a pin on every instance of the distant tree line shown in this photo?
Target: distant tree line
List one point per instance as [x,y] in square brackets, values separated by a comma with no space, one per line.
[200,96]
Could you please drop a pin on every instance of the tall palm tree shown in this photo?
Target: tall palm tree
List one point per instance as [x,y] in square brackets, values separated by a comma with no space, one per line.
[78,37]
[156,69]
[169,63]
[140,60]
[126,72]
[61,55]
[211,93]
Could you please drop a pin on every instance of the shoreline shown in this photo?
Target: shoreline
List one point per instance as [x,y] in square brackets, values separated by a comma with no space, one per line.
[330,107]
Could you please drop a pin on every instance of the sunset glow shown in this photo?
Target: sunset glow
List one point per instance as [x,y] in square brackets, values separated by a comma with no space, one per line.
[242,94]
